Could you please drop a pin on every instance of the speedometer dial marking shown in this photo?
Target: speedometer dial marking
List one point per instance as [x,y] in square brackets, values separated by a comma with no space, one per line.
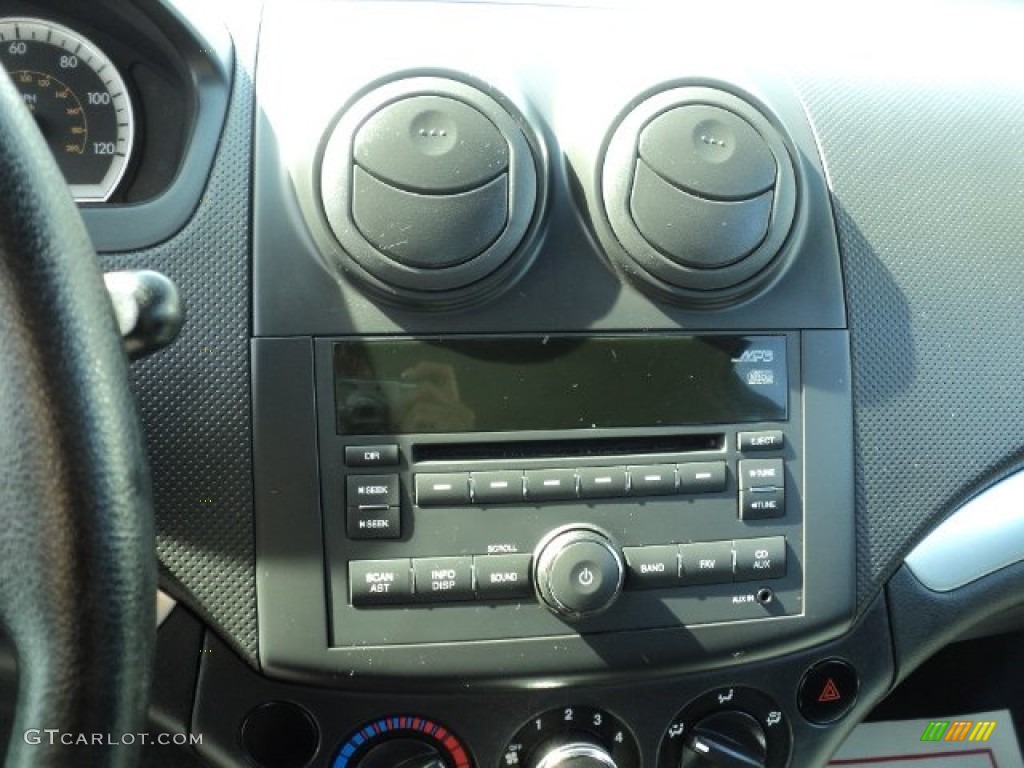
[78,99]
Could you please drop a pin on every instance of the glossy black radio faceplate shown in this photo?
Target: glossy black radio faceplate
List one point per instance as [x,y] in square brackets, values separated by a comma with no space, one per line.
[432,538]
[396,555]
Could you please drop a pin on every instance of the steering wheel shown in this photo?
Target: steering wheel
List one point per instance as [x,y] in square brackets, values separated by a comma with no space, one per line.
[77,563]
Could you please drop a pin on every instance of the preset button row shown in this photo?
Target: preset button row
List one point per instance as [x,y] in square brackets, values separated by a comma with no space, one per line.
[708,562]
[511,486]
[439,579]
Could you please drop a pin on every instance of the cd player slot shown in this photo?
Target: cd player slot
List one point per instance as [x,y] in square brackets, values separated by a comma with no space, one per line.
[561,449]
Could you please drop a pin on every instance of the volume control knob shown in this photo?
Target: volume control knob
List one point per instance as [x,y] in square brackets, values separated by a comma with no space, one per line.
[578,572]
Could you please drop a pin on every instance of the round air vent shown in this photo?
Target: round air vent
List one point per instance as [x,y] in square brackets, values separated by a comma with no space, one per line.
[699,189]
[434,190]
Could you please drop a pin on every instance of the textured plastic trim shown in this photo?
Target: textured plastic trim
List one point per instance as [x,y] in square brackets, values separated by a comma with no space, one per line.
[983,536]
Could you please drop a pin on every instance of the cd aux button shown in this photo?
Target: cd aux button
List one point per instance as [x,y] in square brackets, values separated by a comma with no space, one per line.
[436,490]
[550,484]
[763,558]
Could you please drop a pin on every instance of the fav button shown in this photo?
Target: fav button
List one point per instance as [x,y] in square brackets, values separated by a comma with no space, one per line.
[708,562]
[828,691]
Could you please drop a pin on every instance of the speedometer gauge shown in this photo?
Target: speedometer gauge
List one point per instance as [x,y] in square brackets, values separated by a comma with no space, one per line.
[78,99]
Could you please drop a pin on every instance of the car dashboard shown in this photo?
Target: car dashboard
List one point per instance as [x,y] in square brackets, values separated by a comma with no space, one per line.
[561,383]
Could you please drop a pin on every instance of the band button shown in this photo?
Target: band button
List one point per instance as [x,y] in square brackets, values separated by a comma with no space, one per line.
[652,567]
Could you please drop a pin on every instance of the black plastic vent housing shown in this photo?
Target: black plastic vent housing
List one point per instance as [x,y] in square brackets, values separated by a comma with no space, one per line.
[434,190]
[699,190]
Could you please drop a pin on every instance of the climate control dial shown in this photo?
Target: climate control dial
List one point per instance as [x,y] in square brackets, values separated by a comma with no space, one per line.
[572,737]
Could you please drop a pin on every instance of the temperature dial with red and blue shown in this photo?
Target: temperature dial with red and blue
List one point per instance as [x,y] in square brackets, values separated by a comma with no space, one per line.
[407,741]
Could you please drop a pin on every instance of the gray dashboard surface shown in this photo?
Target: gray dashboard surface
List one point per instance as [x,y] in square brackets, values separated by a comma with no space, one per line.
[923,144]
[920,121]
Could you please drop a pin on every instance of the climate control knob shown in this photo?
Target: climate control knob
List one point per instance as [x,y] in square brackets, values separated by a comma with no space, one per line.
[578,572]
[726,739]
[574,754]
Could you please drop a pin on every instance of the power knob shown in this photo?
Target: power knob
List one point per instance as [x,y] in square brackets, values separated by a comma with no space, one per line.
[578,572]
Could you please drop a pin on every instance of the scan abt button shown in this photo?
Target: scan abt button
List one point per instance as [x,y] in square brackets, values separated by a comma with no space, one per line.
[380,582]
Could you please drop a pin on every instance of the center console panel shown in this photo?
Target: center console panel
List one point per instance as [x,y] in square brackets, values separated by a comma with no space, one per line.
[550,363]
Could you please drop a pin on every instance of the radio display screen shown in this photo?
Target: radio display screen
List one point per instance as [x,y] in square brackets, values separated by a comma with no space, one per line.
[510,384]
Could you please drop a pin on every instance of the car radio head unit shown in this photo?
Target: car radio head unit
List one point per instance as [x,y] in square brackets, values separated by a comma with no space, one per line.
[480,488]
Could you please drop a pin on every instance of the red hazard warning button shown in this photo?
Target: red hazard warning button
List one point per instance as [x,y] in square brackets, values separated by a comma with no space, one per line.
[828,691]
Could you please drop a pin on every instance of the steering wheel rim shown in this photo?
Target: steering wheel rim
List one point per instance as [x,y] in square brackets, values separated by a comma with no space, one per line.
[77,563]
